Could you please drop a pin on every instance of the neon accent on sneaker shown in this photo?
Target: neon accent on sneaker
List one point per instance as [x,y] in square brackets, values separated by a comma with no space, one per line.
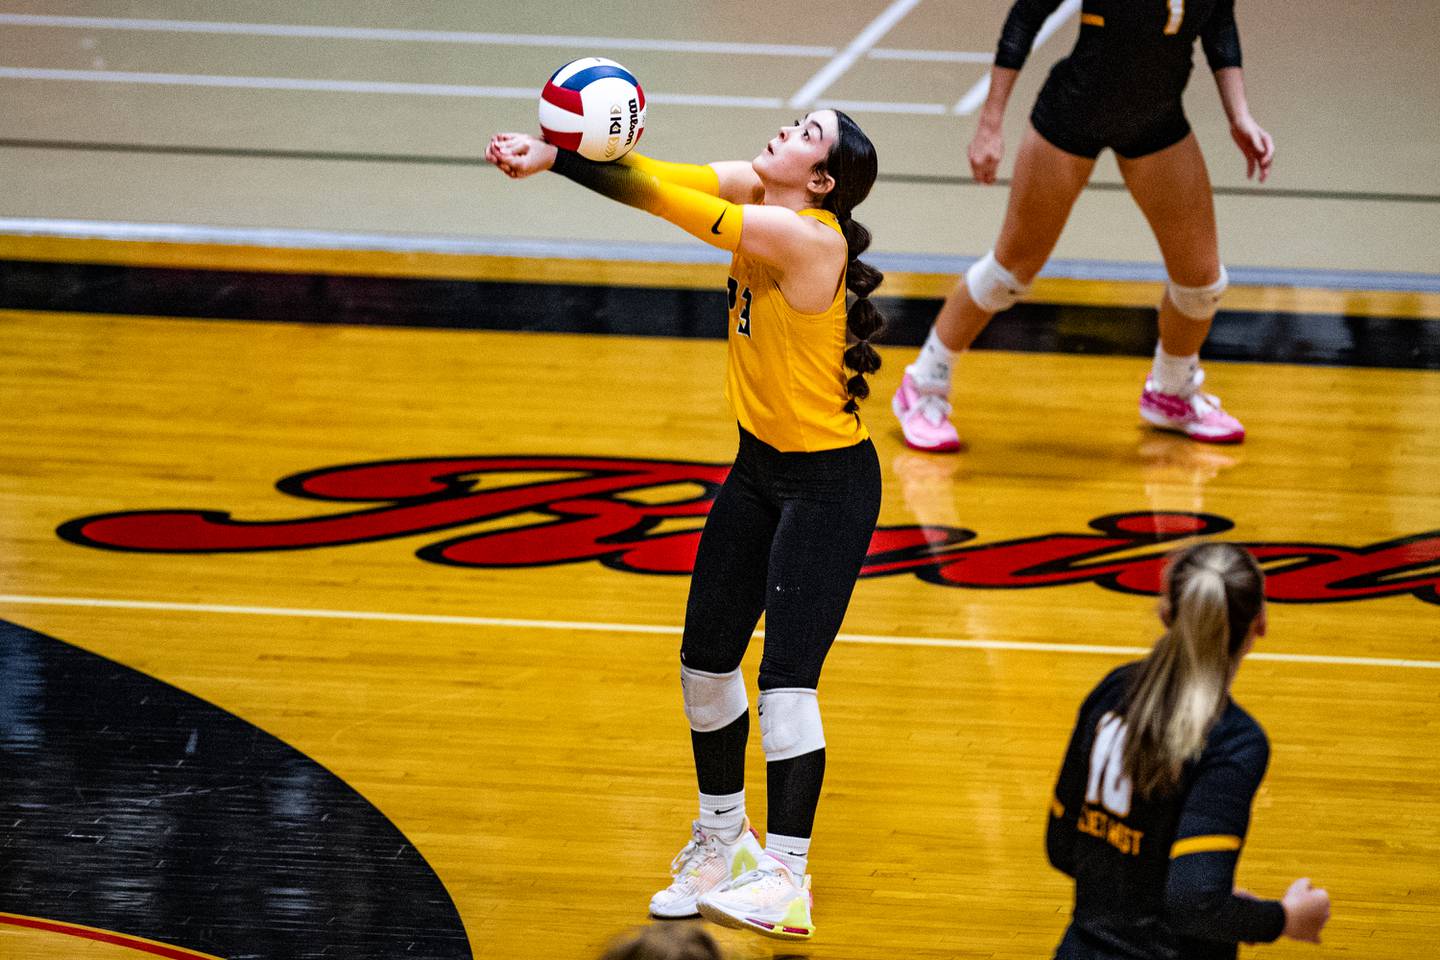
[769,900]
[924,414]
[703,864]
[1197,415]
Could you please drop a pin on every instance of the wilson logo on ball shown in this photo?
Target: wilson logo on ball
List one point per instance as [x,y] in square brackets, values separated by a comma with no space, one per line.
[594,107]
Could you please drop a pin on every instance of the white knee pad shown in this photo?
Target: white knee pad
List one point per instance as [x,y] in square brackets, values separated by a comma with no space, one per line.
[712,700]
[790,723]
[993,287]
[1199,303]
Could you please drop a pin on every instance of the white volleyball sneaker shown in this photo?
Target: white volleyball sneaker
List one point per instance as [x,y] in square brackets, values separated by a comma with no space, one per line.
[703,864]
[769,900]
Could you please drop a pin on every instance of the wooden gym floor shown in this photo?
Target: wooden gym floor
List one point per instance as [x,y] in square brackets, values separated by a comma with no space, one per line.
[347,492]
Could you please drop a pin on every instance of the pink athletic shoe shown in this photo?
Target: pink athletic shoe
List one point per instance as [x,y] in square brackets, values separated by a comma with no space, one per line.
[924,414]
[1195,414]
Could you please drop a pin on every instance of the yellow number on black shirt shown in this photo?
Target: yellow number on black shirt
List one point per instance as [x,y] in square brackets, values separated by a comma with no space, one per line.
[1177,13]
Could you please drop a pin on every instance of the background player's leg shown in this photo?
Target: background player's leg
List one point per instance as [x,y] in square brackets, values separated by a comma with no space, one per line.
[1047,181]
[1172,188]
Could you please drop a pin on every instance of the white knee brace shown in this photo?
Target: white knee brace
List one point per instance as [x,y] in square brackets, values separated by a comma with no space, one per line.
[993,287]
[1198,303]
[790,723]
[712,700]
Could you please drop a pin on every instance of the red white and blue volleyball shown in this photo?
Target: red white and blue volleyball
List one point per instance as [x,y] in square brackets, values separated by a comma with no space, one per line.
[594,107]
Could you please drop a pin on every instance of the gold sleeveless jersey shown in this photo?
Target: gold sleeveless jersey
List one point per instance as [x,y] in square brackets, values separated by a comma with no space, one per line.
[786,376]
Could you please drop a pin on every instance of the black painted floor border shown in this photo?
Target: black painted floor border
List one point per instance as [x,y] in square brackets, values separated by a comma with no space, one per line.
[1255,336]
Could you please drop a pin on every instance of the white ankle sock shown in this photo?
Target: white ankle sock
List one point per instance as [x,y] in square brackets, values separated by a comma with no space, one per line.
[723,814]
[935,362]
[1172,374]
[794,852]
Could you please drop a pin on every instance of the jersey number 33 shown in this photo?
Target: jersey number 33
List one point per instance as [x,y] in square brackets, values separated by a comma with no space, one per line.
[742,324]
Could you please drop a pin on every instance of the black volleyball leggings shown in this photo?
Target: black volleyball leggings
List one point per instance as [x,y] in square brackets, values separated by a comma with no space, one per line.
[786,536]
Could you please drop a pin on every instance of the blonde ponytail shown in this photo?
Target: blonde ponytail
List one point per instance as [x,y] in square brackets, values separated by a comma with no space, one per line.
[1215,591]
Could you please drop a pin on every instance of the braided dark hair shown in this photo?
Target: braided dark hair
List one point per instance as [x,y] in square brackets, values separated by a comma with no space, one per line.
[853,164]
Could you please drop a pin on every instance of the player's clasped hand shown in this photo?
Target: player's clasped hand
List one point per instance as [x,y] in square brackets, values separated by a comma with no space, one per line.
[1306,911]
[518,155]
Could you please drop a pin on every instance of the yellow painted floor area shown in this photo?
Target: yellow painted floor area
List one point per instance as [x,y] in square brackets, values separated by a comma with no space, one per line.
[537,755]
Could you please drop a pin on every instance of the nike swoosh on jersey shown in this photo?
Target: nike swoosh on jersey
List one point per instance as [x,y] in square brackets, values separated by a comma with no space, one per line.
[715,227]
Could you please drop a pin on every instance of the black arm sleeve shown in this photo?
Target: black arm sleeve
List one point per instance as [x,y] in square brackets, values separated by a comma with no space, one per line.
[1221,38]
[1069,793]
[1018,34]
[702,215]
[1200,898]
[614,180]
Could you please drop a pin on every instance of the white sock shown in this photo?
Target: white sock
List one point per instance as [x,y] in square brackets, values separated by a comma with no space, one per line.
[935,362]
[723,814]
[1172,374]
[794,852]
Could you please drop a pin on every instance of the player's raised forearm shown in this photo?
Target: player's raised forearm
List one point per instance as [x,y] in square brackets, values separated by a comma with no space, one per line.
[705,217]
[700,177]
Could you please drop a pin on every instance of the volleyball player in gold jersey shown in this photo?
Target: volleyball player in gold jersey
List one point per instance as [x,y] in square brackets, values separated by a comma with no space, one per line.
[792,523]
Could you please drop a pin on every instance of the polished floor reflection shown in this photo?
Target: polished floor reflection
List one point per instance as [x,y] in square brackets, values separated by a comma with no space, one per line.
[361,640]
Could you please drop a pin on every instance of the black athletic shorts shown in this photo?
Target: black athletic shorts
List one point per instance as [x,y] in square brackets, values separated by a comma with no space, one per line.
[1083,124]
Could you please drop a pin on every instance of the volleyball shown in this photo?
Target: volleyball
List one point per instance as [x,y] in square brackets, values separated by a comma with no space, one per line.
[593,106]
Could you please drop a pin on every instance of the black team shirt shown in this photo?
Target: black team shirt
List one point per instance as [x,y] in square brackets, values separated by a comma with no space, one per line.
[1124,56]
[1154,879]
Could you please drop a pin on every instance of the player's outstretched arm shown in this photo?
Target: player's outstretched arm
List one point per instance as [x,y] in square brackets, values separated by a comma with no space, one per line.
[696,176]
[774,234]
[739,183]
[733,180]
[519,155]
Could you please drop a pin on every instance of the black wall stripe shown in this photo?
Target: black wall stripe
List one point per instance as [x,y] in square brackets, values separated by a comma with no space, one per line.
[562,308]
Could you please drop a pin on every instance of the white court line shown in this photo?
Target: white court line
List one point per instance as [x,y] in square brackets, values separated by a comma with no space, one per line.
[472,38]
[931,56]
[707,100]
[352,86]
[868,37]
[976,95]
[265,83]
[876,106]
[593,626]
[413,36]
